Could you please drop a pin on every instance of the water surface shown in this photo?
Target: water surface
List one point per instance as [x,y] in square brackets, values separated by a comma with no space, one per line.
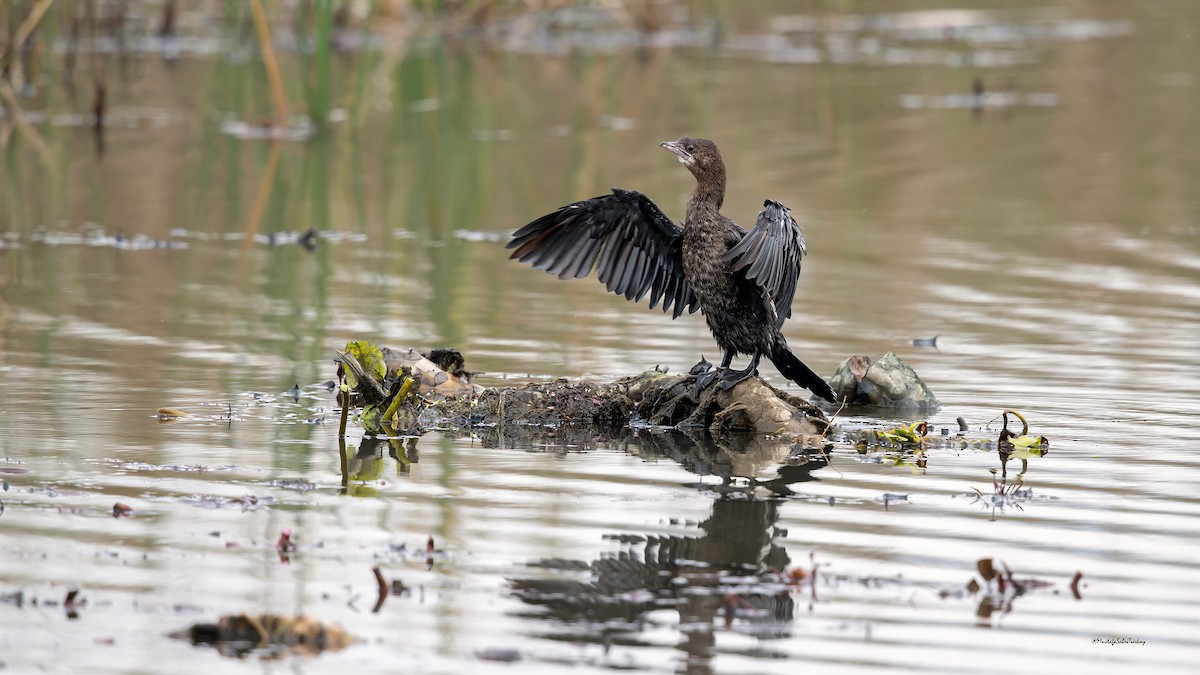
[1046,230]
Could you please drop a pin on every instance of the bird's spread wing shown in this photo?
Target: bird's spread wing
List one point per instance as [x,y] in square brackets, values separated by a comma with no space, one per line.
[770,255]
[633,245]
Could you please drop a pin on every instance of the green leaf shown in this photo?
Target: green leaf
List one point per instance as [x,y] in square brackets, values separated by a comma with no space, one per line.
[369,357]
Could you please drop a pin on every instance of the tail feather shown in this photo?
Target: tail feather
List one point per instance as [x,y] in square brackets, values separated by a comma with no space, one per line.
[794,369]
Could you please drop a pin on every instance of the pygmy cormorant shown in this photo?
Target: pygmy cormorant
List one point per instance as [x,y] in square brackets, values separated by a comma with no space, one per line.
[743,281]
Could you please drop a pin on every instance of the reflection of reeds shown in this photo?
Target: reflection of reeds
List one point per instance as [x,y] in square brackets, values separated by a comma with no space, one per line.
[17,121]
[12,59]
[16,45]
[258,208]
[319,85]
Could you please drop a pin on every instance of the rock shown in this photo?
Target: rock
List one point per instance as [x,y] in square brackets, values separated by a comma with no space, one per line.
[888,382]
[433,378]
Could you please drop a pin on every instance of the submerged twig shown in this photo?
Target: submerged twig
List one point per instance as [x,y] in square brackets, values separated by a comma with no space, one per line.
[345,412]
[344,461]
[383,589]
[821,440]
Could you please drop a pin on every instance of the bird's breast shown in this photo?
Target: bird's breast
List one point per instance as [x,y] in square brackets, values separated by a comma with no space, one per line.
[704,267]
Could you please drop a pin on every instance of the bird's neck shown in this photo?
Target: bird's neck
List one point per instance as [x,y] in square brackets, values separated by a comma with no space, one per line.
[709,193]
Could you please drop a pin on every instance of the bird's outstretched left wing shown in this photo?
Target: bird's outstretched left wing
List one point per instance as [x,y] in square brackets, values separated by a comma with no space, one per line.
[634,247]
[770,255]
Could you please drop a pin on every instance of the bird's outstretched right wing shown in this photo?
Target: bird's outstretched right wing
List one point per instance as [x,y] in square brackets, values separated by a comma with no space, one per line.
[632,244]
[770,255]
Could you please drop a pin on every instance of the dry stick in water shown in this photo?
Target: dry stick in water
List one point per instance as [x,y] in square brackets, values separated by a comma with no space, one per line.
[828,426]
[345,462]
[383,589]
[345,413]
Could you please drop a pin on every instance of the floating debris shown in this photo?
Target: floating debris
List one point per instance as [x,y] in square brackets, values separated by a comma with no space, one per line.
[1001,588]
[498,654]
[144,466]
[246,502]
[285,546]
[120,510]
[72,603]
[1022,446]
[308,240]
[298,484]
[273,635]
[382,586]
[905,435]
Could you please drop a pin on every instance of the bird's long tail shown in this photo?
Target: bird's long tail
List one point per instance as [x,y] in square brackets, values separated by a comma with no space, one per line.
[794,369]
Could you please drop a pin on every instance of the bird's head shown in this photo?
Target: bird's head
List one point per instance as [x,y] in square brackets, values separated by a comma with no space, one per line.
[699,155]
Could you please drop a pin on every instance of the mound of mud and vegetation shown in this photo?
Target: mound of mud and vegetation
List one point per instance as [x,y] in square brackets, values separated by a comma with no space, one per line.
[403,392]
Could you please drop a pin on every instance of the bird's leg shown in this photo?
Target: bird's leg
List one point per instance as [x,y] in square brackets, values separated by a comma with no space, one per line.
[705,379]
[730,379]
[726,360]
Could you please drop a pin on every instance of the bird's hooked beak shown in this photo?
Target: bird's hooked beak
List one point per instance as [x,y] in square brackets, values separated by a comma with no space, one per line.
[685,158]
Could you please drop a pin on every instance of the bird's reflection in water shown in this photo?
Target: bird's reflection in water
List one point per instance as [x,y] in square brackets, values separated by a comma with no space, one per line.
[728,574]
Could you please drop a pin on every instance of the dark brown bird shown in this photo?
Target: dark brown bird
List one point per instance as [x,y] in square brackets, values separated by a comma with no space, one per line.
[742,281]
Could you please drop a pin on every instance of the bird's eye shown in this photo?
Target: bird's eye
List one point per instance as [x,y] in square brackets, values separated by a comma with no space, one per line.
[690,148]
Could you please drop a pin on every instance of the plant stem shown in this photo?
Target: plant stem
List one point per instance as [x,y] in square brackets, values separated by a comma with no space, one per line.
[269,62]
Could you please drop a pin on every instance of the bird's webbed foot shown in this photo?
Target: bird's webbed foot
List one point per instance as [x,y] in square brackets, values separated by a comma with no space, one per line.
[705,377]
[704,380]
[731,378]
[734,377]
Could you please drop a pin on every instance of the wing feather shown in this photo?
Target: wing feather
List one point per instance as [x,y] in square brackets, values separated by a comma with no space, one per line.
[770,255]
[632,245]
